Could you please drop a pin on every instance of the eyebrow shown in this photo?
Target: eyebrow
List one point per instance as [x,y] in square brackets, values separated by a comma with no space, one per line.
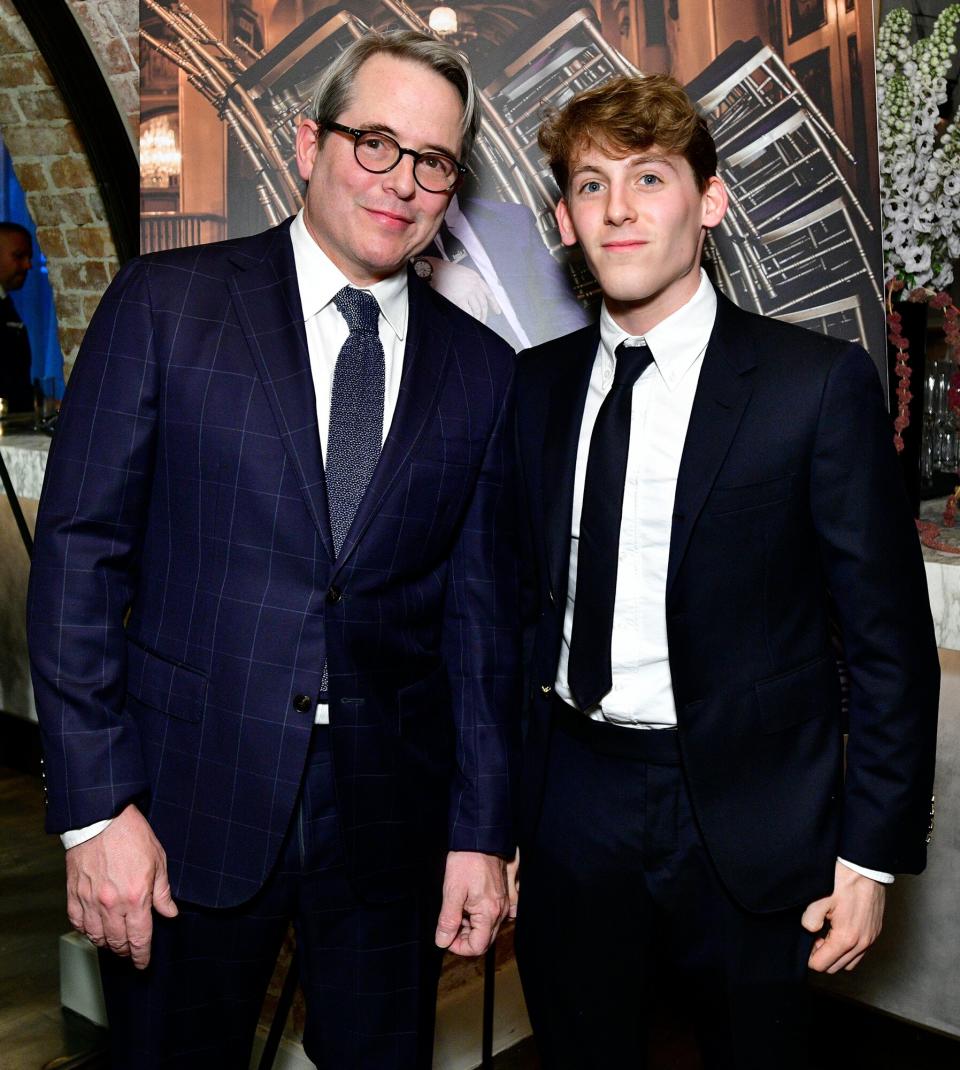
[385,128]
[635,161]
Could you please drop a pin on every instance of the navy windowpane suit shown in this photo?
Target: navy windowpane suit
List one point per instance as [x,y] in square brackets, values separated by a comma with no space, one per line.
[185,597]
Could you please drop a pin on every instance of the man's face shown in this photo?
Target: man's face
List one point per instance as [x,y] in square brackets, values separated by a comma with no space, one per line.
[368,224]
[16,255]
[639,221]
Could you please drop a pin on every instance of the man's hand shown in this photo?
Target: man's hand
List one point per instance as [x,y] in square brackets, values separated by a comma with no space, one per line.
[112,882]
[474,902]
[855,914]
[464,287]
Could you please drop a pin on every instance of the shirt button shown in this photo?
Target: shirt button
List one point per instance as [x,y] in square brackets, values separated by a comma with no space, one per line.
[302,703]
[334,595]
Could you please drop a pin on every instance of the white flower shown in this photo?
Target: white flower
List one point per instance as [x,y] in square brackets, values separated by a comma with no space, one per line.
[916,259]
[919,164]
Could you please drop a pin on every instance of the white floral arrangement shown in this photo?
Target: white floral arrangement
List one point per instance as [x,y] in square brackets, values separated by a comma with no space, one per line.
[919,163]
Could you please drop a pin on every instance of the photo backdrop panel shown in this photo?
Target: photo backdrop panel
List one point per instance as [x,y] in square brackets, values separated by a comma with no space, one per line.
[787,86]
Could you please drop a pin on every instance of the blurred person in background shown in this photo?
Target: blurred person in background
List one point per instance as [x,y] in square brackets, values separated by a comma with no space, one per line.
[16,257]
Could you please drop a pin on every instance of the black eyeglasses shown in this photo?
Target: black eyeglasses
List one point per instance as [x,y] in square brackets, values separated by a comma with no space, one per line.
[436,172]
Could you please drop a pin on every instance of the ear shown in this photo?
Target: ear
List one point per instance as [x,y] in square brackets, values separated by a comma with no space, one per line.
[713,202]
[307,147]
[567,234]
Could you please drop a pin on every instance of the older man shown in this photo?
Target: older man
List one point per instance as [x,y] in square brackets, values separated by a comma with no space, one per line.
[273,605]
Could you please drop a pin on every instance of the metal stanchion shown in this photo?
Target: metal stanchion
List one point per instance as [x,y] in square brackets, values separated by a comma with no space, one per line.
[489,986]
[284,1003]
[15,507]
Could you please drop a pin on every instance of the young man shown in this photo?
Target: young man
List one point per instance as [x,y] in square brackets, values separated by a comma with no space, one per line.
[705,489]
[273,604]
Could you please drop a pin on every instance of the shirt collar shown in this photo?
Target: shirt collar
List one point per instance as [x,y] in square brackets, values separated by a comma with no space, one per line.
[676,342]
[320,280]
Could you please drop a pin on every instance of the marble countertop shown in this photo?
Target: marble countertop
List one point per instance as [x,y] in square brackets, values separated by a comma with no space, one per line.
[943,578]
[25,455]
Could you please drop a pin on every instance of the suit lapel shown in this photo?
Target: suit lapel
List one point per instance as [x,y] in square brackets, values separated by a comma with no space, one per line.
[721,397]
[425,356]
[267,301]
[561,438]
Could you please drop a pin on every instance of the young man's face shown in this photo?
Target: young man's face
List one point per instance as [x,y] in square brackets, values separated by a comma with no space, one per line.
[640,222]
[370,224]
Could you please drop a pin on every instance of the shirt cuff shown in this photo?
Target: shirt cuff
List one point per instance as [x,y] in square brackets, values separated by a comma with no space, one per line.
[874,874]
[75,837]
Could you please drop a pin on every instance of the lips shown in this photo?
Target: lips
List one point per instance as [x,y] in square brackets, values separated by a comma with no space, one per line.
[393,220]
[624,244]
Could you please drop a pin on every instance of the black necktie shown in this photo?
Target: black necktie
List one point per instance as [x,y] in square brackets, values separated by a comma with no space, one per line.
[355,434]
[452,247]
[589,673]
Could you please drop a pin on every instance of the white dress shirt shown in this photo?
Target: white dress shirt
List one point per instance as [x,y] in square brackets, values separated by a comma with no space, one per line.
[642,691]
[641,695]
[319,281]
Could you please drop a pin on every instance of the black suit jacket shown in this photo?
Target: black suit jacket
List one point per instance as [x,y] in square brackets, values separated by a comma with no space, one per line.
[789,508]
[184,594]
[15,383]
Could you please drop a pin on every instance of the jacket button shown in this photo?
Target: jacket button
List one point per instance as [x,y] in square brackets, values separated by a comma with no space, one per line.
[546,688]
[334,595]
[302,703]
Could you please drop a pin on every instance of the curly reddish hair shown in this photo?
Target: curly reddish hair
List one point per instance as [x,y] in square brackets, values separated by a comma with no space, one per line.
[627,115]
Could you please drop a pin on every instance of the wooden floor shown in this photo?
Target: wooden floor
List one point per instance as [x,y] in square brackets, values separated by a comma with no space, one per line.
[33,1029]
[35,1033]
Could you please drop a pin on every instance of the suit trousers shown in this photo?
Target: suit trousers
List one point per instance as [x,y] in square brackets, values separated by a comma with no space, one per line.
[621,909]
[368,972]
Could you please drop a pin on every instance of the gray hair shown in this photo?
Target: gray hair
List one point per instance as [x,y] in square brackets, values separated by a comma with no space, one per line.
[332,93]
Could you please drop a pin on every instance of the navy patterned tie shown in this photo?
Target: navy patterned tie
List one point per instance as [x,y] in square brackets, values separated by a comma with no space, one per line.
[589,671]
[356,411]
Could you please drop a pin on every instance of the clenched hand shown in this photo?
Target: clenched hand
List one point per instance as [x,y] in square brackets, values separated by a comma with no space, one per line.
[474,902]
[855,914]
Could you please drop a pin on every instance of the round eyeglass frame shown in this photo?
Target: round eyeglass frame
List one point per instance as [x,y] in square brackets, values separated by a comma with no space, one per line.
[357,134]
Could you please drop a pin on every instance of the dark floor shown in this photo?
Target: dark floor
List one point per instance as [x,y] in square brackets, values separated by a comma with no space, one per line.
[36,1035]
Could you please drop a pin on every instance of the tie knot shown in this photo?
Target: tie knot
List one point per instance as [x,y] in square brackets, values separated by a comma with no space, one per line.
[631,363]
[359,308]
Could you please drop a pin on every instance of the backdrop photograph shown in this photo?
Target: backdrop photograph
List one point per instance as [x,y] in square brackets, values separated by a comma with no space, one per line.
[787,86]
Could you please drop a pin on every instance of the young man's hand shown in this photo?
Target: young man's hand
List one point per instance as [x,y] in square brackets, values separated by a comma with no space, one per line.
[854,913]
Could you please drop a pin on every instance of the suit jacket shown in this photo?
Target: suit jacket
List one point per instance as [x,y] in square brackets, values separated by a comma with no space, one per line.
[15,383]
[789,510]
[184,595]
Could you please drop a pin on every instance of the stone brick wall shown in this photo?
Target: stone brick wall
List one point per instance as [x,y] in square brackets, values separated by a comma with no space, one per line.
[111,28]
[49,157]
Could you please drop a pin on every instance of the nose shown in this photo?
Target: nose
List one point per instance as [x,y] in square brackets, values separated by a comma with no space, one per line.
[619,208]
[400,179]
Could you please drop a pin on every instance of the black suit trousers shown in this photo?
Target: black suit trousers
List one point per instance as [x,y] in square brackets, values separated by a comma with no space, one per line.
[621,910]
[368,972]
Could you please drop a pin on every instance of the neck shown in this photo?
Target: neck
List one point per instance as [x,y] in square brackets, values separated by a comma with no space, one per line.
[639,317]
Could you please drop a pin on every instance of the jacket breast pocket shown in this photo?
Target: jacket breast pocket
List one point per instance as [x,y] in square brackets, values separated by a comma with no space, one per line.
[165,685]
[739,498]
[799,695]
